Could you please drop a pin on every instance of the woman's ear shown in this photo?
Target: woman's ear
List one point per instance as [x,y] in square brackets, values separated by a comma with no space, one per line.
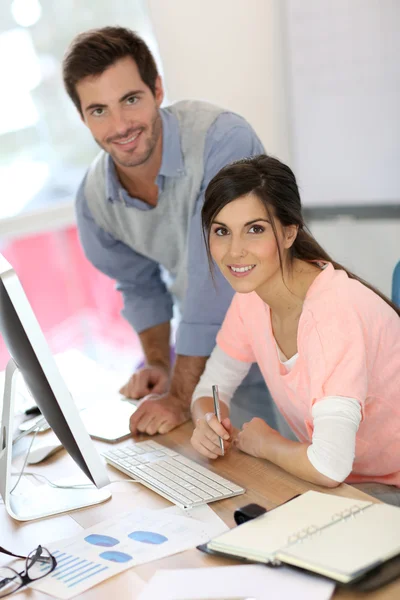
[290,235]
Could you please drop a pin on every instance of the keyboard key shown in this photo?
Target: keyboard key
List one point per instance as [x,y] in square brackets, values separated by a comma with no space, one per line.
[153,445]
[129,451]
[138,450]
[112,453]
[132,461]
[169,452]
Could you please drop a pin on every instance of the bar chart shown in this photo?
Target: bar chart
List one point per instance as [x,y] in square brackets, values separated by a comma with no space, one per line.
[72,570]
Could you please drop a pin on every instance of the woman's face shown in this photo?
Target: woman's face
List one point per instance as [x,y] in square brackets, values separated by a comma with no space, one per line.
[243,244]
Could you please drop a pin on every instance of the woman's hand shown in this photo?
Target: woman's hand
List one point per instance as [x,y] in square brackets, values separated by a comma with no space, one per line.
[205,436]
[255,437]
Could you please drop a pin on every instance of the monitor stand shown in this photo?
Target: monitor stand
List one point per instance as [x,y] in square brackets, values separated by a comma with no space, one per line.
[38,501]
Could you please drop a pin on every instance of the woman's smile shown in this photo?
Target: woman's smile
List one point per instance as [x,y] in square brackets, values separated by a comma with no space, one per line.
[240,270]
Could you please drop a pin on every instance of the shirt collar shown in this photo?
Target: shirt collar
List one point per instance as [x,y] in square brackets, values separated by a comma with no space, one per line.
[323,278]
[113,185]
[172,164]
[172,160]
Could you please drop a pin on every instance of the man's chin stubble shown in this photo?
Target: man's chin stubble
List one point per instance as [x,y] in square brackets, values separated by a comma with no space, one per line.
[131,163]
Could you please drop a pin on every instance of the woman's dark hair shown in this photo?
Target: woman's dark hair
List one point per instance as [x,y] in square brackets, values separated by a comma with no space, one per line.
[93,51]
[275,185]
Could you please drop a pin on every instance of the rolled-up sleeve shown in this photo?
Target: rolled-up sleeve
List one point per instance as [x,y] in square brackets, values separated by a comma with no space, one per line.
[206,302]
[147,301]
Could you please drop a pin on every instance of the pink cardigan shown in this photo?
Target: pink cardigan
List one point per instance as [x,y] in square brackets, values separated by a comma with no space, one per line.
[348,343]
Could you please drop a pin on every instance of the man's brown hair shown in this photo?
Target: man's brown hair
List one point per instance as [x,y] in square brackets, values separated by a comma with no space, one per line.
[92,52]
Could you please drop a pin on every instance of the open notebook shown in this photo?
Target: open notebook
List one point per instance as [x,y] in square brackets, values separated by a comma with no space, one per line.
[340,538]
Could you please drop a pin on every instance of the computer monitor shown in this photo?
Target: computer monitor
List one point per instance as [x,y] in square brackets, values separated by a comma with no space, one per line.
[31,356]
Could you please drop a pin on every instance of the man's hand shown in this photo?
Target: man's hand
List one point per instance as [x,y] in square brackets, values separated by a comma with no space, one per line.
[152,379]
[158,414]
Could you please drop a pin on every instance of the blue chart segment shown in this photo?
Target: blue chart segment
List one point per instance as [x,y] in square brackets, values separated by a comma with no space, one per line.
[101,540]
[148,537]
[72,570]
[118,557]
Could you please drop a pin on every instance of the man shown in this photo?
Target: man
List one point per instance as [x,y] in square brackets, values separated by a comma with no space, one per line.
[138,214]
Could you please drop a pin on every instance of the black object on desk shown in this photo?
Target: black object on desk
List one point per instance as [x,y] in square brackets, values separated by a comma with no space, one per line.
[248,512]
[33,411]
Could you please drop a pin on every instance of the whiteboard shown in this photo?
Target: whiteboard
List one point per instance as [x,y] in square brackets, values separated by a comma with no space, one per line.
[344,89]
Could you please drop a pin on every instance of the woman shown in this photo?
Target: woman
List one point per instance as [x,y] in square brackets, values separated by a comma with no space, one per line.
[327,343]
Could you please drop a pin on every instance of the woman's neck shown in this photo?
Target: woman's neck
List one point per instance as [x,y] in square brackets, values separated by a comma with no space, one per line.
[285,295]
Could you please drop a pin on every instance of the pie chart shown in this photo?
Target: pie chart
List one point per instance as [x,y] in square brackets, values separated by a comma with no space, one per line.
[101,540]
[148,537]
[114,556]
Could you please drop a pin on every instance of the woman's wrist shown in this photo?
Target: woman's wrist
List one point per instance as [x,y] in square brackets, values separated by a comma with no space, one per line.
[205,404]
[200,407]
[272,446]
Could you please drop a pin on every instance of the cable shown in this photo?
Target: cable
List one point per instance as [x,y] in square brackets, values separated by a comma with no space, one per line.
[39,425]
[26,459]
[125,481]
[51,483]
[76,486]
[39,476]
[64,487]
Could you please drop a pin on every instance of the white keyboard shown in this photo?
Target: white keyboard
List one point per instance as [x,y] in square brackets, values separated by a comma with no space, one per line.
[177,478]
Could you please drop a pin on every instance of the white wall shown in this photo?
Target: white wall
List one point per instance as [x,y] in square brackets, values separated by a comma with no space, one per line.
[370,248]
[232,52]
[229,52]
[344,79]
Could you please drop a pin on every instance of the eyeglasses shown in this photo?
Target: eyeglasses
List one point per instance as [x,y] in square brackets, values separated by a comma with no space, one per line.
[38,564]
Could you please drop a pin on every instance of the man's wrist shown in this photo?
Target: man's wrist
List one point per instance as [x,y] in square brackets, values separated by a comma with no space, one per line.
[159,364]
[179,403]
[155,343]
[185,377]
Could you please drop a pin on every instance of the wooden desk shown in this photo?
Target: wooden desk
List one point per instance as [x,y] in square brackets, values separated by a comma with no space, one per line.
[266,484]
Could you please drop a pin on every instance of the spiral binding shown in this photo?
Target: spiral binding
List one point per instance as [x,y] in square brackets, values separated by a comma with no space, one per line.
[311,530]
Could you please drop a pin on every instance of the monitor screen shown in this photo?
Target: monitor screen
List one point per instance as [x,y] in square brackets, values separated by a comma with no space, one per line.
[29,350]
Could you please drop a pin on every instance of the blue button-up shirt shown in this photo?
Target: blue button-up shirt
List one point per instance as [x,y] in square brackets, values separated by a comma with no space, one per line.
[147,301]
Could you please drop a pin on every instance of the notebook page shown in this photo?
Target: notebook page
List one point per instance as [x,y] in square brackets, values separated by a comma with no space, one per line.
[261,538]
[347,548]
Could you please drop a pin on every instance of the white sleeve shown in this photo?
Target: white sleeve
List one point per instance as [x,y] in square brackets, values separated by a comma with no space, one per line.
[224,371]
[336,422]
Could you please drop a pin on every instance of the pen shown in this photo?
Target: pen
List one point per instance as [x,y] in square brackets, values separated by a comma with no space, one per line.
[218,414]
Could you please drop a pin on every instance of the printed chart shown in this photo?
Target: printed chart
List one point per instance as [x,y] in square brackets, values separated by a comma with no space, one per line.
[117,544]
[73,570]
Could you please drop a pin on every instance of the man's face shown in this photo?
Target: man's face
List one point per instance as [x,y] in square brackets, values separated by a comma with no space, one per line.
[122,113]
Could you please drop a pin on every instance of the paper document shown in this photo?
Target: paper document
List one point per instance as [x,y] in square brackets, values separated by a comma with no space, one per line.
[128,540]
[243,582]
